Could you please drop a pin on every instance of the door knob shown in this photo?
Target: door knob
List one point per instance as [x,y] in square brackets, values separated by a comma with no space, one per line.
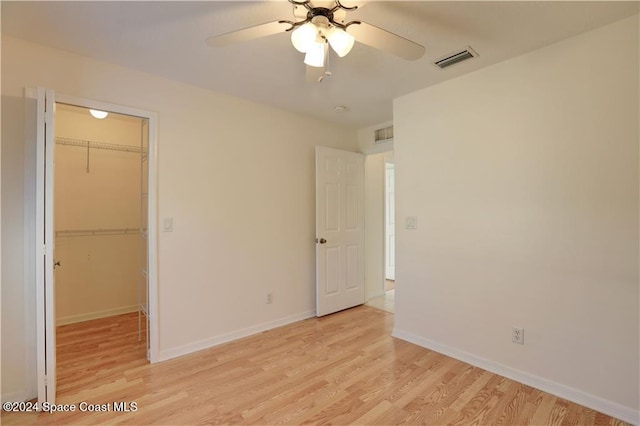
[321,241]
[56,264]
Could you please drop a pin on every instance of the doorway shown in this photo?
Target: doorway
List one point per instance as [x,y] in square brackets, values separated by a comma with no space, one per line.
[100,234]
[389,225]
[380,206]
[42,122]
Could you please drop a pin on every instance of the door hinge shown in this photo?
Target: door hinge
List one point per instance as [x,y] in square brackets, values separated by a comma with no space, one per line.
[46,380]
[44,249]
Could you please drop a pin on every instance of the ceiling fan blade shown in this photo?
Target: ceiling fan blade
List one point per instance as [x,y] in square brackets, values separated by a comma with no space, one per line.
[340,15]
[249,33]
[386,41]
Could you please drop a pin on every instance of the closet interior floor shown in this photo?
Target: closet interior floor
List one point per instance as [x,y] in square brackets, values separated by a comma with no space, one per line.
[98,351]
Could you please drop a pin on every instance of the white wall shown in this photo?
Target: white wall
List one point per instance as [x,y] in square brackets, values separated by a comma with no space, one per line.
[238,180]
[13,292]
[524,179]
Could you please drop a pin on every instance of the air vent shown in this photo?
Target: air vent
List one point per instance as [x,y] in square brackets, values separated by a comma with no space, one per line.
[455,58]
[384,135]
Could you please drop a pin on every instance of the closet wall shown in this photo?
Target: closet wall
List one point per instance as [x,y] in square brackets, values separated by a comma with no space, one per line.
[97,216]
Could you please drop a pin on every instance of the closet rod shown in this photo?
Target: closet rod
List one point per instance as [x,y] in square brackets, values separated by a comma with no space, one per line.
[99,145]
[96,232]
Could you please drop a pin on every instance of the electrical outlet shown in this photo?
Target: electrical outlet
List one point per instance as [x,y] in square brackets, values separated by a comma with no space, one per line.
[517,335]
[269,298]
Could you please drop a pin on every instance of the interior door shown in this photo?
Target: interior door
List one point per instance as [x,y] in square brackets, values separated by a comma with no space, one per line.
[390,222]
[45,285]
[339,230]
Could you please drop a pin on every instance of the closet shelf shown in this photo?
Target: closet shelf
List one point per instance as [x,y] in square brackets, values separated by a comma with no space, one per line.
[99,145]
[96,232]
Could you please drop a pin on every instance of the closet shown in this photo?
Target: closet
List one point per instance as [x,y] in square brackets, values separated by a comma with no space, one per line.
[100,206]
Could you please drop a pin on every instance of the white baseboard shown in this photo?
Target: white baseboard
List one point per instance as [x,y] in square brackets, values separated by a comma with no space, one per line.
[96,315]
[234,335]
[19,396]
[574,395]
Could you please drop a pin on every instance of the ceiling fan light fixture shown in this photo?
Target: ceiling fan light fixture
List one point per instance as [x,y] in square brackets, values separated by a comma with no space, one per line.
[304,37]
[340,40]
[315,55]
[98,114]
[322,24]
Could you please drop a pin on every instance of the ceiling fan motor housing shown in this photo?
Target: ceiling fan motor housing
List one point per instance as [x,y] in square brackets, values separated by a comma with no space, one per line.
[322,23]
[320,12]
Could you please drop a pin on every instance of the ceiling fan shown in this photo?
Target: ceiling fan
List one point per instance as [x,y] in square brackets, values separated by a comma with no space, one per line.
[321,28]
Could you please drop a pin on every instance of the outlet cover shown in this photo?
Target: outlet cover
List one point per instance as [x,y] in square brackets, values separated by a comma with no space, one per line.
[517,335]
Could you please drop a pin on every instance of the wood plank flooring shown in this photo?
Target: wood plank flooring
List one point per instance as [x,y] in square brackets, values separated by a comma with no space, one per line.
[343,369]
[386,302]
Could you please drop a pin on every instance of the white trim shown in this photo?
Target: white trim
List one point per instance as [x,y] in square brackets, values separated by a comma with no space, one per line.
[20,396]
[234,335]
[72,319]
[29,215]
[388,166]
[38,247]
[49,238]
[378,148]
[602,405]
[152,223]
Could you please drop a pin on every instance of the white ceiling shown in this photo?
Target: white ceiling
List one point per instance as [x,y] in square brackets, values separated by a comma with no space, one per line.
[167,39]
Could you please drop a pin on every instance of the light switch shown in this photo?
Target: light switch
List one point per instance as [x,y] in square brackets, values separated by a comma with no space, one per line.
[168,224]
[411,222]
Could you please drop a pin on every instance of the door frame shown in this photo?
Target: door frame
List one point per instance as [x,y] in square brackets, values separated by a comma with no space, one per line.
[388,164]
[44,244]
[152,206]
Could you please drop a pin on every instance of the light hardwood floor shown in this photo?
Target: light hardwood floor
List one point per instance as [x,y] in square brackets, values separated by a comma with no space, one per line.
[389,285]
[386,302]
[341,369]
